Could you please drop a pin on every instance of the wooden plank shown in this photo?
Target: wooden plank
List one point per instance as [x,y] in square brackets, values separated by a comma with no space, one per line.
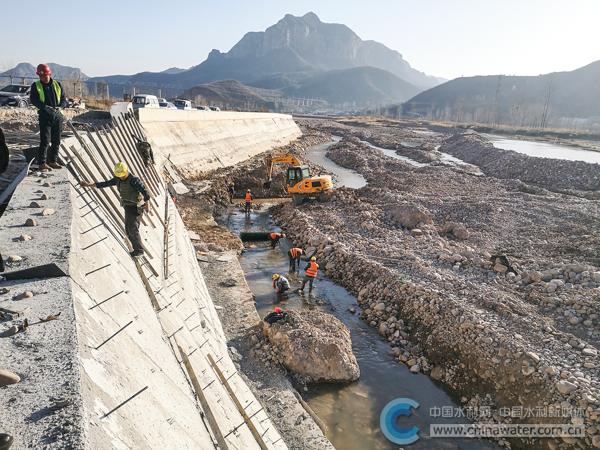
[239,406]
[212,421]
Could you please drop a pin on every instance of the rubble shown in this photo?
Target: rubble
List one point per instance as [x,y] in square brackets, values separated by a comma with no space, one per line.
[552,174]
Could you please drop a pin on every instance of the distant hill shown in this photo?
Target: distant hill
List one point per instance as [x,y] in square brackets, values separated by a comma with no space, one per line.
[294,54]
[58,71]
[361,85]
[555,98]
[173,70]
[233,93]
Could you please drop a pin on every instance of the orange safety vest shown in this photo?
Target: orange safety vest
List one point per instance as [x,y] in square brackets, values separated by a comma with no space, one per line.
[295,251]
[311,270]
[274,235]
[248,197]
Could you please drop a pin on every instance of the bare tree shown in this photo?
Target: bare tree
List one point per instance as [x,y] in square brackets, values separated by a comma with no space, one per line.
[544,118]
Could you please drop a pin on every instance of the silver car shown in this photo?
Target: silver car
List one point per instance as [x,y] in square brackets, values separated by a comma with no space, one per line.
[15,95]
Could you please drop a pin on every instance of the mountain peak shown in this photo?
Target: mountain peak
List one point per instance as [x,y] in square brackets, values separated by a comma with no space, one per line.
[311,18]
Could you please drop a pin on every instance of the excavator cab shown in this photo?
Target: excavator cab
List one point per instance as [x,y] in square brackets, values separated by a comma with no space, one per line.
[295,174]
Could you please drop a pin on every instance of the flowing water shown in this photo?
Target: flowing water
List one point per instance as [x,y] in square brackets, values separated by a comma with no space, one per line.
[540,149]
[351,179]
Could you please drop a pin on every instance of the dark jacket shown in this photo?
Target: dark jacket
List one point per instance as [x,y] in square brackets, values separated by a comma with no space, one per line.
[131,189]
[273,317]
[50,97]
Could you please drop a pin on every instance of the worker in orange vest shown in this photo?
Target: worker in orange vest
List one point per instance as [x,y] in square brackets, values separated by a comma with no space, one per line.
[248,198]
[274,238]
[310,273]
[294,254]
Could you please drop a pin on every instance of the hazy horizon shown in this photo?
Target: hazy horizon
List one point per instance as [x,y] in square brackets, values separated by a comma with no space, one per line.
[432,35]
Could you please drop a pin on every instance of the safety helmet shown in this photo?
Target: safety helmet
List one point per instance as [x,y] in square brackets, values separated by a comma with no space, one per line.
[247,190]
[121,169]
[275,276]
[43,69]
[312,258]
[282,235]
[277,309]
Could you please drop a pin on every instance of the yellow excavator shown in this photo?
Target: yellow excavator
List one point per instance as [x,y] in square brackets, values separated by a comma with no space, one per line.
[299,183]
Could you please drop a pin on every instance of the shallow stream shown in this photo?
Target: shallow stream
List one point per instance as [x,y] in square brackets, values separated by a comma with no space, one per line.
[351,412]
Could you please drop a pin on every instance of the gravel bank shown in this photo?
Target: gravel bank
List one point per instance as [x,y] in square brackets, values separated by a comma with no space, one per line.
[426,263]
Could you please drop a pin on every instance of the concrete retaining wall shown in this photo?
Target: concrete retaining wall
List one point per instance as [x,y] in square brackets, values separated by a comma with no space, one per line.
[152,366]
[197,141]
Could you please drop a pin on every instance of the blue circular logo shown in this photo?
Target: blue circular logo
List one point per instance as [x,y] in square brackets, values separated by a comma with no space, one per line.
[388,421]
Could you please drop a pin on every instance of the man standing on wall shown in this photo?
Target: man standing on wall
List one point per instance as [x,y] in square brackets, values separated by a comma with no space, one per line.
[48,95]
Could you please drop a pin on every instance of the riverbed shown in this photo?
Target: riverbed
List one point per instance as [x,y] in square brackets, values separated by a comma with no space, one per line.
[541,149]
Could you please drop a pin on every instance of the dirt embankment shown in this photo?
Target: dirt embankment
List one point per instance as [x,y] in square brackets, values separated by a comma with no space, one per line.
[521,334]
[26,119]
[552,174]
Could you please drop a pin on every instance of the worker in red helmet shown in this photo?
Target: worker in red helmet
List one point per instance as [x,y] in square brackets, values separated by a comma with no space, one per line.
[48,96]
[275,316]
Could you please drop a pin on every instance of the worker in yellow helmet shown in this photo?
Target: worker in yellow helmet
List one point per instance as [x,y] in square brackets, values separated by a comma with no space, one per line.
[134,199]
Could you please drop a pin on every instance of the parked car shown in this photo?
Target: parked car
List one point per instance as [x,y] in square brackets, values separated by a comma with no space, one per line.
[215,108]
[167,105]
[145,101]
[203,108]
[15,95]
[182,104]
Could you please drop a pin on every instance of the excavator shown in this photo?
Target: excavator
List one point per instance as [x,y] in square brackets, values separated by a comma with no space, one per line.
[299,183]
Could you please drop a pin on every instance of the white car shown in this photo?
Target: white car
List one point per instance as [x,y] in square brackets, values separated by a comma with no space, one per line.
[167,105]
[145,101]
[182,104]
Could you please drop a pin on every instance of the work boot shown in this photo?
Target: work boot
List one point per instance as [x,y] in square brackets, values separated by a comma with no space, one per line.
[44,168]
[137,253]
[55,165]
[6,440]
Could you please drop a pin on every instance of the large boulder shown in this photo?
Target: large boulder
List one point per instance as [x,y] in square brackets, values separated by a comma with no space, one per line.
[410,216]
[314,345]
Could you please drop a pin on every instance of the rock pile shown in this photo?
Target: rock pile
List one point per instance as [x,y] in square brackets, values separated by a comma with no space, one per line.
[314,345]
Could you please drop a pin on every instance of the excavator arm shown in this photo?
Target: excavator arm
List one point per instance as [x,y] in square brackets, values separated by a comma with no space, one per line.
[285,158]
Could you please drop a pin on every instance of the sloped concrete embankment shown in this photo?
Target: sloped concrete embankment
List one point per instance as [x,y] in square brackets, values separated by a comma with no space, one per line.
[151,356]
[199,141]
[552,174]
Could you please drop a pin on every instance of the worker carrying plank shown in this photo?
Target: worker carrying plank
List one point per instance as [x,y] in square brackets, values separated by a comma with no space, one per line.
[134,199]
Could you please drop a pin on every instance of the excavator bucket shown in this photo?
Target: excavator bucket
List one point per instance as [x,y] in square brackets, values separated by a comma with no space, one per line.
[267,184]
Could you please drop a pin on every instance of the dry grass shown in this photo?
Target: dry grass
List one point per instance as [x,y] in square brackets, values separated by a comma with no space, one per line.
[98,103]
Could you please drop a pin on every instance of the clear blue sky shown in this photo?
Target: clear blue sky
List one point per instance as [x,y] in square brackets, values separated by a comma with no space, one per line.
[446,38]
